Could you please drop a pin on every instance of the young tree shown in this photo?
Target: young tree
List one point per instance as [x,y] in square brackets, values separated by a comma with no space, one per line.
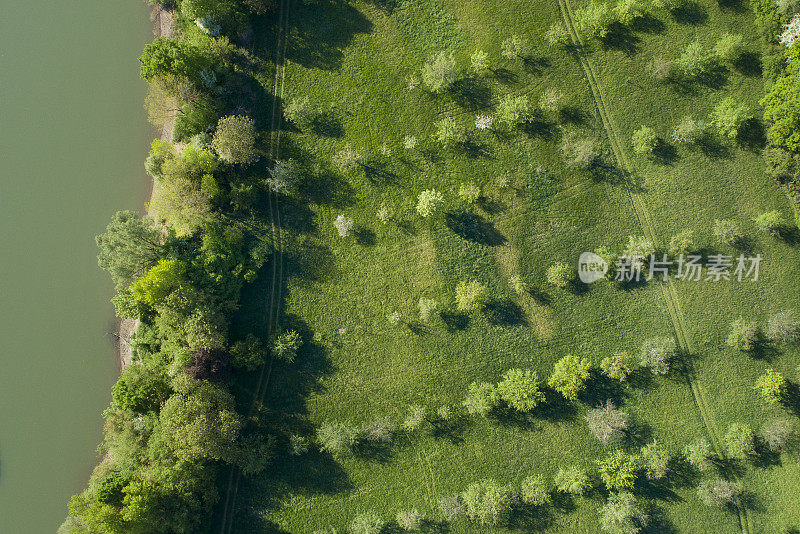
[560,275]
[627,11]
[428,309]
[622,514]
[451,507]
[773,386]
[781,108]
[617,366]
[740,441]
[284,176]
[776,434]
[344,225]
[729,47]
[784,327]
[520,390]
[617,471]
[481,398]
[595,19]
[378,430]
[488,502]
[694,61]
[654,459]
[638,249]
[169,58]
[658,353]
[728,117]
[557,34]
[743,335]
[688,130]
[551,100]
[580,152]
[512,111]
[572,480]
[515,47]
[699,454]
[607,423]
[450,132]
[681,243]
[367,523]
[570,375]
[347,159]
[235,139]
[440,72]
[128,248]
[771,221]
[727,231]
[719,492]
[469,192]
[535,491]
[471,295]
[336,438]
[300,112]
[661,69]
[410,520]
[286,345]
[417,415]
[479,60]
[644,140]
[429,202]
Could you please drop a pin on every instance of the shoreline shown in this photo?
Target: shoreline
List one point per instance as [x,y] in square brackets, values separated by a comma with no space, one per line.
[163,26]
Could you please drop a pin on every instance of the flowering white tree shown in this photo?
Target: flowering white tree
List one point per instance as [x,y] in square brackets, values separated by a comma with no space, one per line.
[409,142]
[791,32]
[483,122]
[343,225]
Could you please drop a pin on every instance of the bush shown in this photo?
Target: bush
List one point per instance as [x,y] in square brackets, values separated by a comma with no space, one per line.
[410,520]
[429,202]
[440,72]
[479,60]
[617,471]
[771,221]
[570,375]
[644,140]
[719,492]
[740,441]
[729,47]
[234,139]
[594,20]
[727,231]
[622,514]
[481,398]
[580,152]
[688,130]
[772,386]
[428,309]
[520,390]
[560,275]
[728,117]
[681,243]
[336,438]
[535,491]
[657,354]
[515,47]
[743,335]
[784,327]
[451,507]
[512,111]
[367,523]
[654,459]
[450,132]
[572,480]
[607,423]
[616,366]
[471,296]
[488,502]
[777,434]
[699,454]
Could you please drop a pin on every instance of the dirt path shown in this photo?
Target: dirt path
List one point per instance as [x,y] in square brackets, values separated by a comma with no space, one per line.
[643,215]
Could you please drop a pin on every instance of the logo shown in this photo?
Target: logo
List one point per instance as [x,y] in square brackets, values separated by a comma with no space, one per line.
[591,267]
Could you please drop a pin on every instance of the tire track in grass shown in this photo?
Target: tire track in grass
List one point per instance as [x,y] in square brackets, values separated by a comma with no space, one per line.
[275,296]
[667,288]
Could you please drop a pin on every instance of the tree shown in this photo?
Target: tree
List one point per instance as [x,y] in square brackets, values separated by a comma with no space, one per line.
[607,423]
[286,345]
[367,523]
[515,47]
[440,72]
[627,11]
[617,471]
[595,19]
[728,117]
[128,248]
[654,459]
[450,132]
[300,112]
[688,130]
[681,243]
[479,60]
[336,438]
[638,249]
[520,390]
[428,309]
[417,415]
[560,275]
[622,514]
[557,34]
[771,221]
[781,164]
[181,205]
[776,434]
[140,390]
[512,111]
[469,192]
[743,335]
[657,354]
[773,386]
[451,507]
[471,295]
[348,159]
[235,139]
[740,441]
[209,364]
[344,225]
[580,152]
[378,430]
[719,492]
[488,502]
[694,61]
[645,140]
[573,480]
[570,375]
[551,100]
[727,231]
[157,283]
[429,202]
[784,326]
[699,454]
[729,47]
[284,176]
[481,398]
[165,58]
[535,491]
[616,366]
[782,108]
[410,520]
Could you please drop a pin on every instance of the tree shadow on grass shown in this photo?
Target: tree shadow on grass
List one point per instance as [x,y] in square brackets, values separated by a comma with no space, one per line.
[504,313]
[452,429]
[600,388]
[504,75]
[556,408]
[658,522]
[748,64]
[535,64]
[665,153]
[620,37]
[690,13]
[539,127]
[473,227]
[327,125]
[531,518]
[572,115]
[327,188]
[455,321]
[733,5]
[792,399]
[711,147]
[647,23]
[472,93]
[364,236]
[752,135]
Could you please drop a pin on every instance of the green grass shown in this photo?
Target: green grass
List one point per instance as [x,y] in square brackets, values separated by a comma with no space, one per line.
[354,61]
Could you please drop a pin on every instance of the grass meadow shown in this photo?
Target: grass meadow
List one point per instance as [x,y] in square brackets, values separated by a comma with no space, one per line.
[356,62]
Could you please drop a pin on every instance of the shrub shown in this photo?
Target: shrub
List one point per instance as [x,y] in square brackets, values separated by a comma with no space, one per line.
[772,386]
[573,480]
[594,20]
[740,441]
[367,523]
[627,11]
[483,122]
[488,502]
[681,243]
[512,111]
[451,507]
[617,471]
[580,152]
[428,309]
[570,375]
[429,202]
[622,514]
[479,60]
[694,61]
[688,130]
[450,132]
[515,47]
[777,433]
[469,192]
[520,389]
[551,100]
[771,221]
[535,491]
[560,274]
[728,117]
[417,415]
[481,398]
[654,459]
[234,139]
[471,295]
[607,423]
[616,366]
[719,492]
[784,327]
[743,335]
[410,520]
[336,438]
[440,72]
[729,47]
[699,454]
[727,231]
[644,140]
[300,112]
[657,354]
[344,225]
